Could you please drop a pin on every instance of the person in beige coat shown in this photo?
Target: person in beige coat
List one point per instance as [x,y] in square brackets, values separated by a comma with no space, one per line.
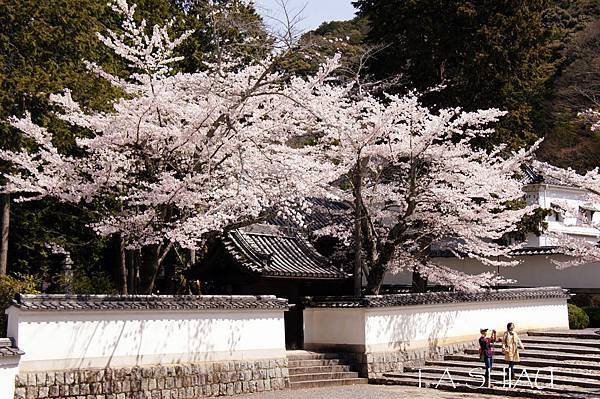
[510,347]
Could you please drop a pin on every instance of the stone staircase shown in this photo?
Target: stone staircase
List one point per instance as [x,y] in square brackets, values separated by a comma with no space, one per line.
[313,369]
[566,363]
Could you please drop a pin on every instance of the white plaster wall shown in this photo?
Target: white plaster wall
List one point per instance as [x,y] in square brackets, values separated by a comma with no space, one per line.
[427,326]
[9,368]
[334,326]
[423,326]
[58,340]
[534,271]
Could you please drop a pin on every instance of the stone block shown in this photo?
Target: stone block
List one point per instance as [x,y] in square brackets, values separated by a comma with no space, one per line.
[70,378]
[54,391]
[233,375]
[32,392]
[224,377]
[59,377]
[84,389]
[96,388]
[151,384]
[20,380]
[21,393]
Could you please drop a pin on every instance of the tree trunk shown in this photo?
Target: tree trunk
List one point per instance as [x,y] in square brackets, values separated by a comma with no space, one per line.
[149,268]
[375,278]
[5,210]
[419,283]
[357,183]
[192,257]
[122,280]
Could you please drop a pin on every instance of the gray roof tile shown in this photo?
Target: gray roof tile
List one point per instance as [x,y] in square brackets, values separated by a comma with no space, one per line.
[280,256]
[60,302]
[9,349]
[432,298]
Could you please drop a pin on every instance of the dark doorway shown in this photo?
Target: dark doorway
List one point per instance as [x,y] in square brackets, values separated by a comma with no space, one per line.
[294,327]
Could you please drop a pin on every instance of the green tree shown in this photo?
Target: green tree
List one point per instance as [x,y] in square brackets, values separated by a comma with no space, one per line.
[43,45]
[574,87]
[488,53]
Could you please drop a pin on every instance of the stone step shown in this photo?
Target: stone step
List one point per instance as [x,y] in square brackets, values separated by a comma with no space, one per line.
[563,348]
[316,362]
[306,355]
[320,369]
[544,376]
[561,341]
[556,393]
[543,354]
[565,372]
[328,383]
[565,334]
[323,376]
[530,362]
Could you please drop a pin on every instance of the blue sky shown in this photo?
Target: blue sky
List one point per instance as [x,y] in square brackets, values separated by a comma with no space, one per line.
[315,12]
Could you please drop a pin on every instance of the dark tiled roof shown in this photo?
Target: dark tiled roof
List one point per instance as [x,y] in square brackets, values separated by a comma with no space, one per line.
[279,255]
[524,251]
[432,298]
[8,349]
[147,302]
[532,176]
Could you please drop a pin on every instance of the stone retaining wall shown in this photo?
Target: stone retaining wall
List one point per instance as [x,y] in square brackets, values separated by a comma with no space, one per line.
[373,365]
[188,381]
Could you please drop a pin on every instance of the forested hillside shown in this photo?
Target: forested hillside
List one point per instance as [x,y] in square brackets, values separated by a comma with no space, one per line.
[575,86]
[537,59]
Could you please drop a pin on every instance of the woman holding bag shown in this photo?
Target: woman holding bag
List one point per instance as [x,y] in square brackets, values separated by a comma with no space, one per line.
[510,347]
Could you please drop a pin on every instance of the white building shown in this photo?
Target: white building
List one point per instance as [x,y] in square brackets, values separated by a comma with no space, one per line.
[572,214]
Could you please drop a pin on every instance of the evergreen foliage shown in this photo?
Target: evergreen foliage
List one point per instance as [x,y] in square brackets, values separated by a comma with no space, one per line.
[578,319]
[486,53]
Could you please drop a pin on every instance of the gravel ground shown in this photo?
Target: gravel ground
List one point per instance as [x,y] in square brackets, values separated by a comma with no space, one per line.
[366,392]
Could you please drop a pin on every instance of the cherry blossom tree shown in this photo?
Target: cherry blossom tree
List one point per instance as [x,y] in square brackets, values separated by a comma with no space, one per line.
[183,157]
[417,183]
